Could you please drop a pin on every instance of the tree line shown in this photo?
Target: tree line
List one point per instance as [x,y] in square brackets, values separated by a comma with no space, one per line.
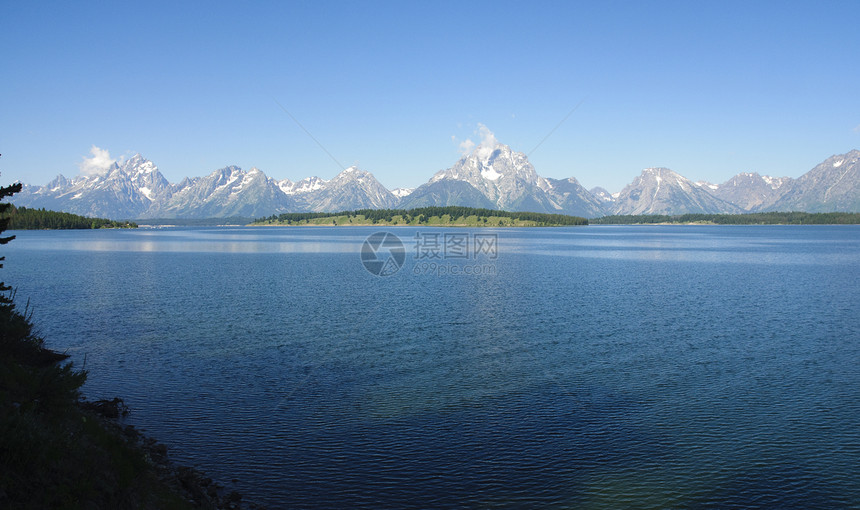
[767,218]
[423,215]
[23,218]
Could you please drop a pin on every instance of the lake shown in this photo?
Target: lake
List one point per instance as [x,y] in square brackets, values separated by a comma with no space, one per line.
[600,366]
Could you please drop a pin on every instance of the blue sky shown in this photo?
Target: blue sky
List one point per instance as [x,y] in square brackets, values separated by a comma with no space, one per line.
[708,89]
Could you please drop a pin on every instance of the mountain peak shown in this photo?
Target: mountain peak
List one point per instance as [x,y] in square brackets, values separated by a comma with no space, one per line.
[350,174]
[136,159]
[837,160]
[658,170]
[487,149]
[138,165]
[491,175]
[659,190]
[483,150]
[353,170]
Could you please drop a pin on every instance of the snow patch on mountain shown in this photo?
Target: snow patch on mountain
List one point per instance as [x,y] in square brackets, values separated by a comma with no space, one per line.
[662,191]
[490,175]
[402,192]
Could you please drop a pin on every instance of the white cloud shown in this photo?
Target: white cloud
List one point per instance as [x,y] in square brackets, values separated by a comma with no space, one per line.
[485,147]
[487,137]
[99,163]
[857,129]
[488,141]
[466,147]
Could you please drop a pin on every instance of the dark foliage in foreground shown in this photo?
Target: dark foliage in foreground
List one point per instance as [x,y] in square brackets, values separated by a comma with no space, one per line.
[59,451]
[53,454]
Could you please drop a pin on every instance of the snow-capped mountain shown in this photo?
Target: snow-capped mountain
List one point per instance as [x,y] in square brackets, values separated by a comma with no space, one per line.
[750,191]
[145,177]
[662,191]
[121,191]
[229,191]
[574,199]
[402,192]
[833,185]
[491,176]
[349,190]
[500,174]
[137,190]
[306,185]
[606,198]
[503,179]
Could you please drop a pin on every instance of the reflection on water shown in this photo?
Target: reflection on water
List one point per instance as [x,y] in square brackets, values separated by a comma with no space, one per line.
[664,366]
[215,240]
[737,244]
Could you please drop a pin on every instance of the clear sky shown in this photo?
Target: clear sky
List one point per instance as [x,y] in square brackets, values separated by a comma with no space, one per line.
[708,89]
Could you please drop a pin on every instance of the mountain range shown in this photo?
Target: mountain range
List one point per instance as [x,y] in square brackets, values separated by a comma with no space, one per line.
[492,176]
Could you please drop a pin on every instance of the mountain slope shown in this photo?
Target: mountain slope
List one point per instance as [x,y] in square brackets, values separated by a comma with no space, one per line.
[136,189]
[506,180]
[603,196]
[500,174]
[750,191]
[492,176]
[120,192]
[574,199]
[229,191]
[446,192]
[662,191]
[833,185]
[349,190]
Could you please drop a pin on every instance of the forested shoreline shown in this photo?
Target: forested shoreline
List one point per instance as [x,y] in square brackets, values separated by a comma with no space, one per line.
[426,216]
[768,218]
[24,218]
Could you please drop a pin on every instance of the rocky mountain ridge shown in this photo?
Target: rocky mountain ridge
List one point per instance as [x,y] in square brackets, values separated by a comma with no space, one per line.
[491,176]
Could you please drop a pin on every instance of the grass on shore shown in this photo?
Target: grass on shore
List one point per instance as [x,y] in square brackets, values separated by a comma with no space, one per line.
[449,216]
[54,452]
[406,221]
[60,451]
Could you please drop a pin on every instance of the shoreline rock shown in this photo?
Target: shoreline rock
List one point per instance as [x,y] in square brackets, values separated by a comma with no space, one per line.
[191,484]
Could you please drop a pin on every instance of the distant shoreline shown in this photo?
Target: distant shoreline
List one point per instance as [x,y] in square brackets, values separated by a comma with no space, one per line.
[769,218]
[453,216]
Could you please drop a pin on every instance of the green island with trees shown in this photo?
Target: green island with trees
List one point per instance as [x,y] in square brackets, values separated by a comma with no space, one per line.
[24,218]
[452,216]
[471,217]
[767,218]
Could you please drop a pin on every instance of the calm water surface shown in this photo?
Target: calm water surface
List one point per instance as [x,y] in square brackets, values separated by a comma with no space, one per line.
[654,366]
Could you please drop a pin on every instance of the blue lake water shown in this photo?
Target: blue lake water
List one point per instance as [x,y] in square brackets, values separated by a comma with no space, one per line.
[646,366]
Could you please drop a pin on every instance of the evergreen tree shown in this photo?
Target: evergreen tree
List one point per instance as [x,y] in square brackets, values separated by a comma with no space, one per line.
[6,191]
